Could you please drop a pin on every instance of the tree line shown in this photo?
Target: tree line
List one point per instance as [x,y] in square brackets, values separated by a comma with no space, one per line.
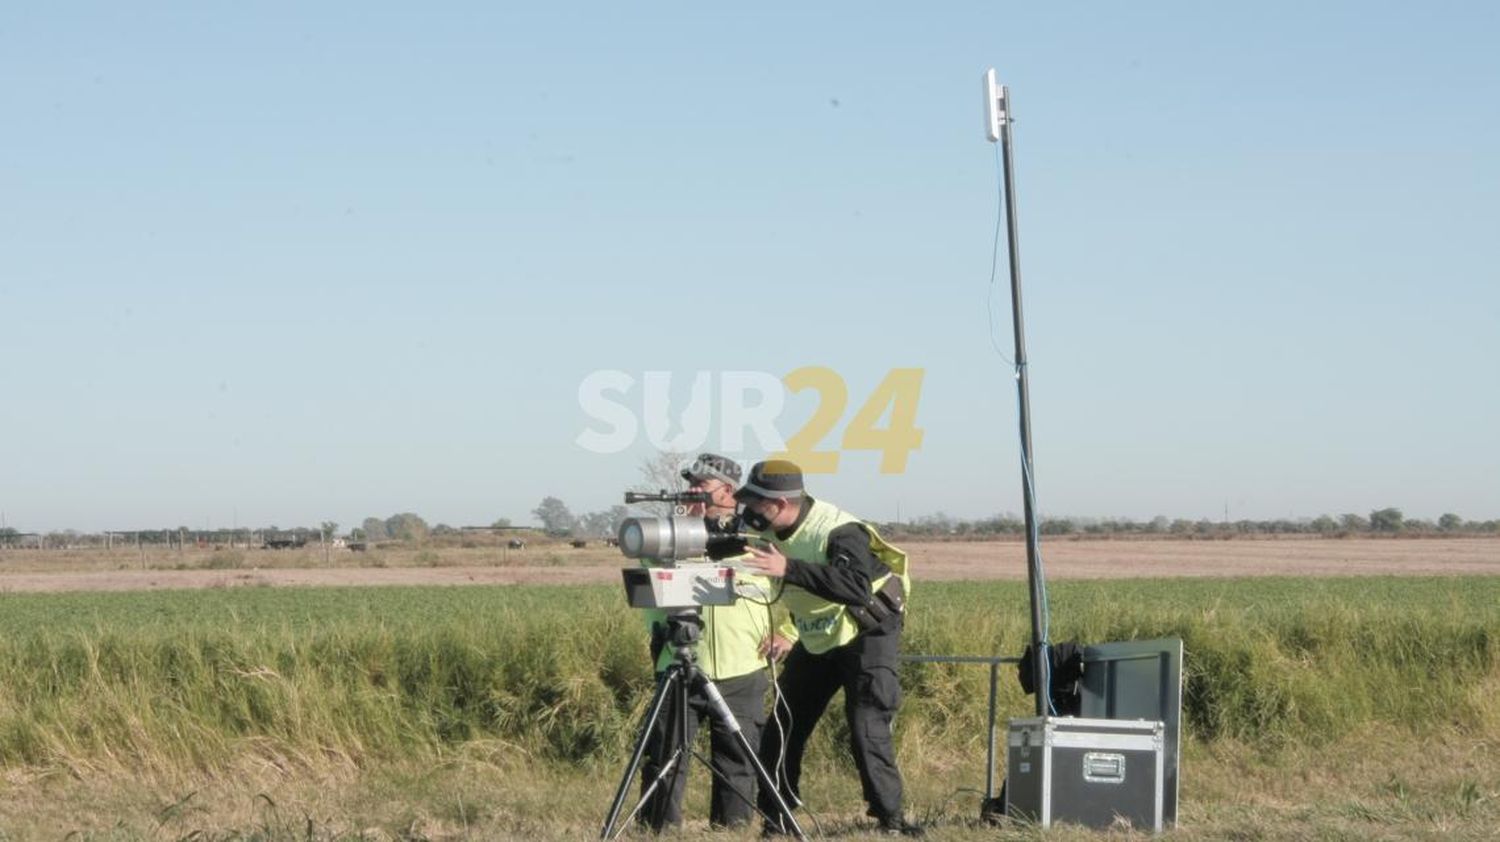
[558,520]
[1387,521]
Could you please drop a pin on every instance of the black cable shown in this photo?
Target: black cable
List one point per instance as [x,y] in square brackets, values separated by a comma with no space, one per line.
[995,257]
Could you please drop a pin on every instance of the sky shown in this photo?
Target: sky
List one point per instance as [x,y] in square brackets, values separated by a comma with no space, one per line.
[281,263]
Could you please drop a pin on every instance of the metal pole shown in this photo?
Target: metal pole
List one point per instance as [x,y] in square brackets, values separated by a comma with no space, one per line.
[1028,476]
[989,760]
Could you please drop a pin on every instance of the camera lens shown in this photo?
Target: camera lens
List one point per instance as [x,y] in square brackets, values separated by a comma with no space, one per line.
[631,539]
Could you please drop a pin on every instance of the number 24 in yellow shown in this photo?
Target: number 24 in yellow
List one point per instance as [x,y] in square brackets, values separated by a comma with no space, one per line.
[898,392]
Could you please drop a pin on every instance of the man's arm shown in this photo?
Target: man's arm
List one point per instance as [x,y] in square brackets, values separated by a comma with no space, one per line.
[851,568]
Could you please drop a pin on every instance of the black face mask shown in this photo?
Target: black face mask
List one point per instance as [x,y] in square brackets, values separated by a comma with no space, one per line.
[754,519]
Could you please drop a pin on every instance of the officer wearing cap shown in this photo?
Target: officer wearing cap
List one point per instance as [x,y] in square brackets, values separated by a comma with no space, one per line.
[846,590]
[728,652]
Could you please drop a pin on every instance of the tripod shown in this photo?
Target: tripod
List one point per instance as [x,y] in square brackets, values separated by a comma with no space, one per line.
[673,687]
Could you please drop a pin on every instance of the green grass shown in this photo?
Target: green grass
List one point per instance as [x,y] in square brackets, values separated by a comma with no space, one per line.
[180,676]
[165,687]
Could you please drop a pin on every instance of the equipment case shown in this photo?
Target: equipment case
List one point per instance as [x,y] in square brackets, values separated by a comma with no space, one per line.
[1093,772]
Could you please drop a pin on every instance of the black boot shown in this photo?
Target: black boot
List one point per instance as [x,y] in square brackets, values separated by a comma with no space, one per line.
[898,826]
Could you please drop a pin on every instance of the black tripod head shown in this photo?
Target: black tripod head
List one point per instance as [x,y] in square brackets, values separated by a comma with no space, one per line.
[684,630]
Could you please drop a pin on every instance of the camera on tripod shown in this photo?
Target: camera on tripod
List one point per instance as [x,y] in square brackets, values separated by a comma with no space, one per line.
[688,549]
[689,573]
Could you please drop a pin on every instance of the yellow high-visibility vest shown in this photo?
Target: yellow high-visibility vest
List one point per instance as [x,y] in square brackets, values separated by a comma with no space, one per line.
[819,624]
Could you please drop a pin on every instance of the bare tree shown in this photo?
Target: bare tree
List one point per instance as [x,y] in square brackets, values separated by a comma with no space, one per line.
[662,472]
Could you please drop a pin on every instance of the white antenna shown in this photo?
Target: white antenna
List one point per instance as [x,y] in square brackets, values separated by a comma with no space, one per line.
[995,107]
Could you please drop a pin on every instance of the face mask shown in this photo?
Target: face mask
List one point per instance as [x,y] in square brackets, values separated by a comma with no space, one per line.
[755,520]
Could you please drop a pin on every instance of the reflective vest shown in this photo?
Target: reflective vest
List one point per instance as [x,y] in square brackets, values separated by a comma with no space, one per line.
[819,624]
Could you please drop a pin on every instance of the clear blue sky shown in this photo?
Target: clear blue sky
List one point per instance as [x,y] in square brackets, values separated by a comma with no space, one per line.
[279,263]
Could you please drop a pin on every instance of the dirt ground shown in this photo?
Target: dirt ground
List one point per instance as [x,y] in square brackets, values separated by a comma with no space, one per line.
[117,570]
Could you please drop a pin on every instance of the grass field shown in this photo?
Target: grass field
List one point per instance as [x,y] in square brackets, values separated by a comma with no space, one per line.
[1313,708]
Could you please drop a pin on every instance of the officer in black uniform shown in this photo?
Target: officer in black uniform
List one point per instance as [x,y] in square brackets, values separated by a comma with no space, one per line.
[845,589]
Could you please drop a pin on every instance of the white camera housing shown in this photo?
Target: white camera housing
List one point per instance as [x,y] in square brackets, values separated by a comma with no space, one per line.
[681,586]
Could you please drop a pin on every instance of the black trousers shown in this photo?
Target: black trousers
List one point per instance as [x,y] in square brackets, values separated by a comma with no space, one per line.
[865,669]
[746,697]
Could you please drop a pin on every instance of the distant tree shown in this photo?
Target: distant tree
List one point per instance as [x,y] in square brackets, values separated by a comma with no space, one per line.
[1324,525]
[501,523]
[999,525]
[406,526]
[1056,526]
[1354,523]
[603,523]
[444,529]
[329,528]
[374,529]
[555,517]
[592,525]
[1386,520]
[937,524]
[1450,522]
[357,534]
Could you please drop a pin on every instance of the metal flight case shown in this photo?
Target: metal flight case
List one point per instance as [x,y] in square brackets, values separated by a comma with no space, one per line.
[1093,772]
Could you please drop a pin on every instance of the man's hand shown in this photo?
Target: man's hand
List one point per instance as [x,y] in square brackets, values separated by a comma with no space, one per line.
[768,561]
[774,646]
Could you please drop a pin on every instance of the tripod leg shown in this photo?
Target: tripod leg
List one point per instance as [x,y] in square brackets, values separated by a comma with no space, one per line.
[650,791]
[721,711]
[671,778]
[664,686]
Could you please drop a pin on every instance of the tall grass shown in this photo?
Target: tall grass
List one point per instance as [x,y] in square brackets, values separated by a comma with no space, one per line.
[557,676]
[1267,662]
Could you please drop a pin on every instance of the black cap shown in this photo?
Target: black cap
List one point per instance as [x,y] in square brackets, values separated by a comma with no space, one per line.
[712,465]
[776,479]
